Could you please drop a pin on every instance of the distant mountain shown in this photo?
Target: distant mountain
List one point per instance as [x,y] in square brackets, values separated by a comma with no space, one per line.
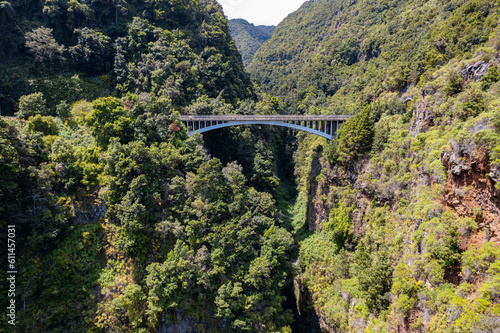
[249,37]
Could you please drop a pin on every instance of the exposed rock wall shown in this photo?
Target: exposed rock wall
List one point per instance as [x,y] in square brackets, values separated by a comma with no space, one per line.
[470,190]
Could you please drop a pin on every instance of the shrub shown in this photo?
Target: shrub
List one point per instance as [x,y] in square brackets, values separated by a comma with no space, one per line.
[80,111]
[490,78]
[109,119]
[44,124]
[63,110]
[374,275]
[453,83]
[355,137]
[473,105]
[496,119]
[477,261]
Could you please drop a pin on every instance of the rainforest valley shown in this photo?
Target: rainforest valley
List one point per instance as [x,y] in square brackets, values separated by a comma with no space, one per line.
[124,223]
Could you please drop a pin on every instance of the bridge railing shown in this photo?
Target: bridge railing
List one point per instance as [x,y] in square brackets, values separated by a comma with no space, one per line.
[265,117]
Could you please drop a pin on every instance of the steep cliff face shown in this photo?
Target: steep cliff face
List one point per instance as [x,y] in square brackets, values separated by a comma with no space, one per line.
[422,207]
[470,191]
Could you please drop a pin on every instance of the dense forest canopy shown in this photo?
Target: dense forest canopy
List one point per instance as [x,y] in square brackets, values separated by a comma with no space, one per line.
[125,223]
[350,52]
[71,50]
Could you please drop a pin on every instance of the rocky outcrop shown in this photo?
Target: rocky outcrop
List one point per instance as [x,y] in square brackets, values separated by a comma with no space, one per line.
[422,119]
[90,211]
[475,71]
[495,174]
[470,192]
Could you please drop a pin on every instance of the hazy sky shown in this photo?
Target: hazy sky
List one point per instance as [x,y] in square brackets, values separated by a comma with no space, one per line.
[266,12]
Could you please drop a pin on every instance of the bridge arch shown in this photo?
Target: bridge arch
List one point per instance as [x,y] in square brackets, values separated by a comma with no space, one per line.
[324,126]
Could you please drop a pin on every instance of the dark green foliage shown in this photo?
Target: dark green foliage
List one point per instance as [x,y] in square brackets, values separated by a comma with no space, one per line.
[454,83]
[339,225]
[352,52]
[109,119]
[92,51]
[150,59]
[63,110]
[248,37]
[42,45]
[496,120]
[16,157]
[246,251]
[447,252]
[263,173]
[473,105]
[174,49]
[128,225]
[199,238]
[355,137]
[73,265]
[375,277]
[380,137]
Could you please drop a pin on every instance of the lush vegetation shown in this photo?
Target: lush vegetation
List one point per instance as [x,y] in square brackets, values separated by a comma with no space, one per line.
[124,224]
[71,50]
[333,53]
[248,37]
[127,225]
[395,217]
[126,221]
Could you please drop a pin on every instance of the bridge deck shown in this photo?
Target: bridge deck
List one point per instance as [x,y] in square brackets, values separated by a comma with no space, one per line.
[265,118]
[325,126]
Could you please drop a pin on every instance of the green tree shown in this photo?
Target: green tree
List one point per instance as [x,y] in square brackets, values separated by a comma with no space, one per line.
[490,78]
[355,137]
[43,46]
[374,275]
[109,119]
[264,177]
[63,110]
[93,50]
[30,105]
[339,224]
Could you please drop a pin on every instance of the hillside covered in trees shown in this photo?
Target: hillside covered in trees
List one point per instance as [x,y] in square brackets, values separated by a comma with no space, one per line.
[123,223]
[249,37]
[404,207]
[72,50]
[349,52]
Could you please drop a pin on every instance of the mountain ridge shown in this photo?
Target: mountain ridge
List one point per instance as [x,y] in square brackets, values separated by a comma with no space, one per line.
[249,37]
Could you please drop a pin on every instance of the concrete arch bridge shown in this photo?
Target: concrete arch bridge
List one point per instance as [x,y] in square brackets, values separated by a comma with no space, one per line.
[325,126]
